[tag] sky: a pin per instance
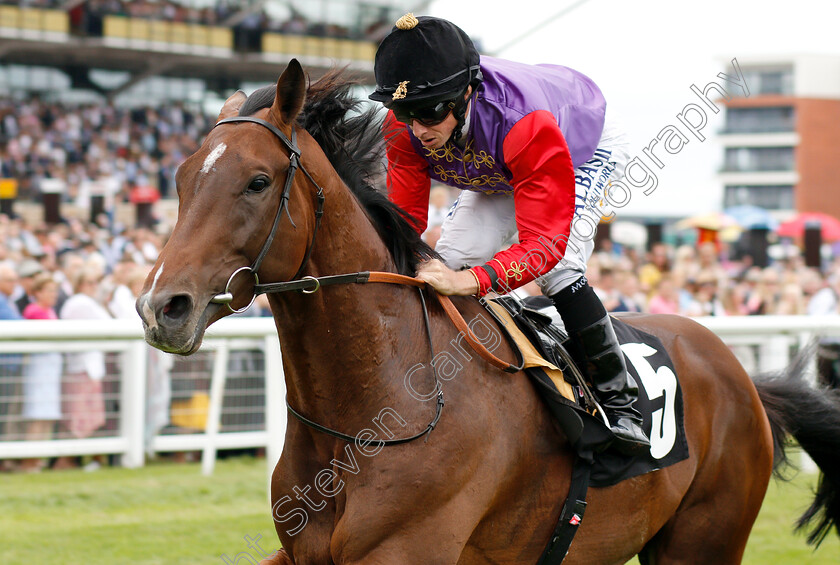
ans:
(645, 56)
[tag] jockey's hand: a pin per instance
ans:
(445, 280)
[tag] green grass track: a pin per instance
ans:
(167, 514)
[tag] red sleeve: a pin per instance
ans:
(538, 158)
(408, 173)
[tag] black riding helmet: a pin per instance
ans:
(424, 62)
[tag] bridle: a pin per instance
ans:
(226, 297)
(309, 284)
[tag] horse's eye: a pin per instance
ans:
(258, 184)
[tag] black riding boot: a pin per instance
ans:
(588, 324)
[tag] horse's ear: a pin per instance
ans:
(232, 105)
(291, 92)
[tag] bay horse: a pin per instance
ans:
(485, 478)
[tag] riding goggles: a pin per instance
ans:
(427, 115)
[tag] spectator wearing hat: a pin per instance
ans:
(439, 205)
(27, 271)
(705, 299)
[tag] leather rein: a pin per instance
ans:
(309, 285)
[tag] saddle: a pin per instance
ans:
(552, 361)
(553, 370)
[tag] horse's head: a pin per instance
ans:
(231, 194)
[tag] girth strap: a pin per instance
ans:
(571, 516)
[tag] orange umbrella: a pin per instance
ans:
(714, 227)
(715, 221)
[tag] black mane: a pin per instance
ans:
(352, 140)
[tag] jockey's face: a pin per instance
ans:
(435, 136)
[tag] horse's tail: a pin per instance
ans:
(812, 417)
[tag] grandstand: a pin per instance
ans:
(115, 48)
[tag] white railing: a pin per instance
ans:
(772, 339)
(763, 341)
(126, 338)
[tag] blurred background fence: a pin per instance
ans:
(229, 395)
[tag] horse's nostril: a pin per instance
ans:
(177, 307)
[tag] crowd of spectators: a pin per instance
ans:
(161, 10)
(69, 271)
(703, 281)
(248, 21)
(181, 12)
(95, 149)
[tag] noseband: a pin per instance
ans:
(226, 297)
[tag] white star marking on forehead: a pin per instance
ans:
(213, 157)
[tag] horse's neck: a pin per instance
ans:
(345, 346)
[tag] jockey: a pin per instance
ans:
(531, 150)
